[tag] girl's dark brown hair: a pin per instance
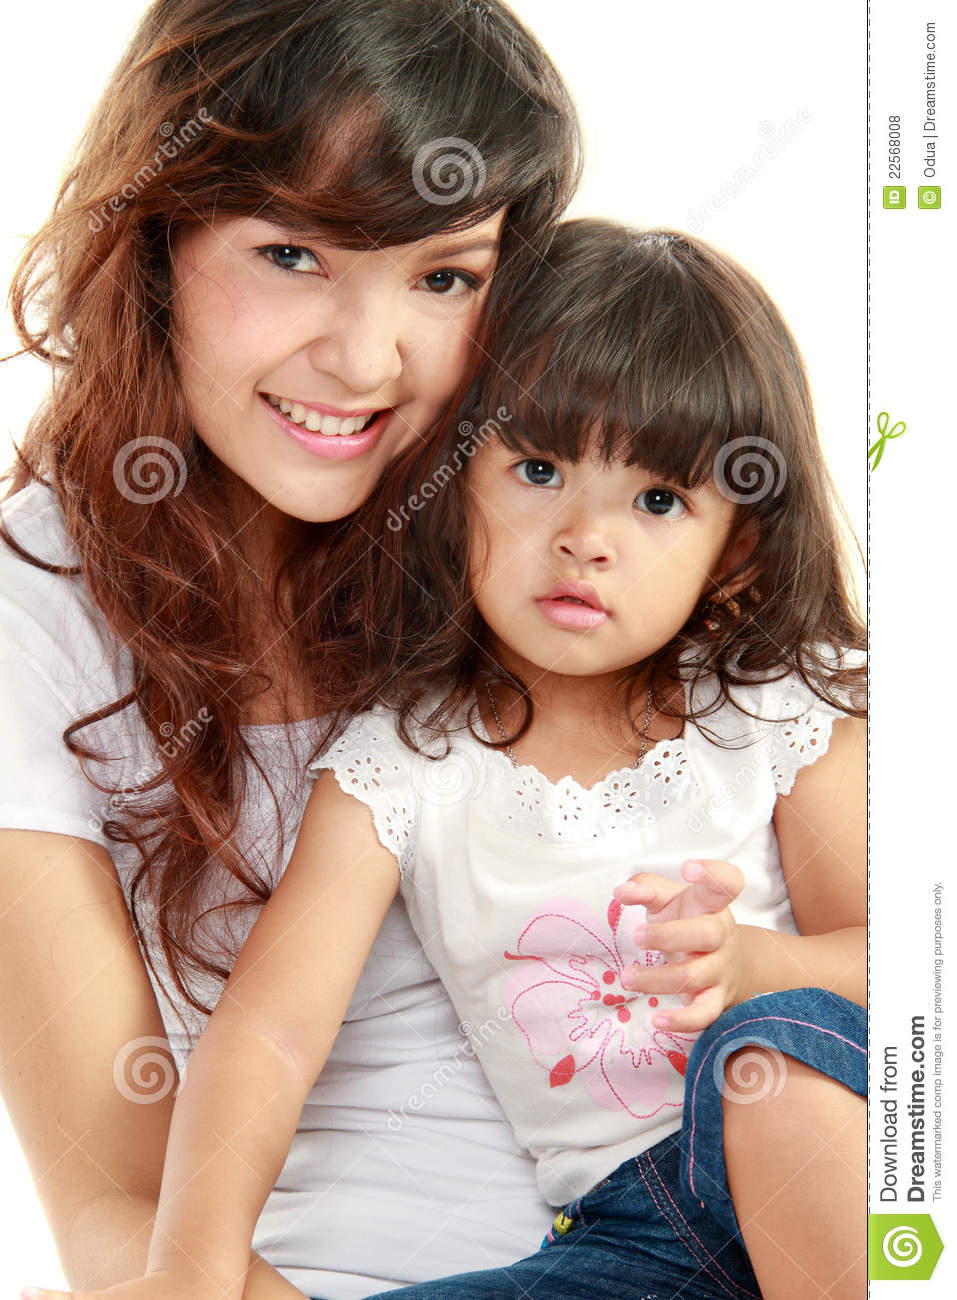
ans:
(673, 358)
(324, 116)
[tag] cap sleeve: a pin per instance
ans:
(370, 762)
(799, 727)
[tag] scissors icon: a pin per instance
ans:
(883, 420)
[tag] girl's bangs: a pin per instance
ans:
(670, 416)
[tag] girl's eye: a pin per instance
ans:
(538, 473)
(290, 257)
(450, 284)
(660, 502)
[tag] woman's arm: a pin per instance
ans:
(76, 994)
(266, 1042)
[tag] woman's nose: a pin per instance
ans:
(359, 346)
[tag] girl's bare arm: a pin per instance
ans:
(77, 1002)
(266, 1042)
(822, 835)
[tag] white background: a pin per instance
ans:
(676, 101)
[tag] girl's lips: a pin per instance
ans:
(566, 613)
(336, 446)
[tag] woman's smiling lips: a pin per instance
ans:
(574, 605)
(333, 433)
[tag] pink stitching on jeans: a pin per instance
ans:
(737, 1289)
(755, 1020)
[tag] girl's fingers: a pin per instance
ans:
(671, 977)
(655, 892)
(702, 1011)
(693, 934)
(713, 884)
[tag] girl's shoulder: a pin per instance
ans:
(373, 761)
(373, 751)
(785, 718)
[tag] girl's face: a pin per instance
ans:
(306, 368)
(587, 568)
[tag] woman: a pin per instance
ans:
(269, 267)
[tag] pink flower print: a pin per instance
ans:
(567, 1000)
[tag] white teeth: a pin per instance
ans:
(329, 425)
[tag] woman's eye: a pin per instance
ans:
(538, 473)
(450, 284)
(290, 257)
(660, 502)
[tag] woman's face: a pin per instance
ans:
(307, 368)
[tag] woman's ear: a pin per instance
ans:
(741, 546)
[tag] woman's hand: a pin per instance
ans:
(161, 1285)
(692, 926)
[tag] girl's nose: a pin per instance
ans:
(359, 347)
(585, 544)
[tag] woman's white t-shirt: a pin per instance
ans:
(402, 1167)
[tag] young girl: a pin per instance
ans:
(265, 279)
(620, 653)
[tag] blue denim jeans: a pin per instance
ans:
(663, 1224)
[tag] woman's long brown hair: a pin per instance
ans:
(676, 359)
(311, 113)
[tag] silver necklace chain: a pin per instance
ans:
(508, 748)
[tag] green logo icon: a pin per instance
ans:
(902, 1246)
(928, 196)
(886, 432)
(895, 196)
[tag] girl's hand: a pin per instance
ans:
(161, 1285)
(693, 927)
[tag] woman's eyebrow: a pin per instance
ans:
(458, 250)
